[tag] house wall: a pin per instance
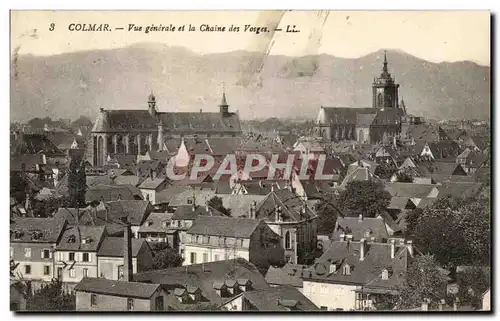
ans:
(78, 266)
(108, 266)
(214, 253)
(332, 296)
(115, 303)
(487, 301)
(304, 236)
(37, 263)
(149, 194)
(264, 252)
(235, 305)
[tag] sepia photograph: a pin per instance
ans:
(250, 161)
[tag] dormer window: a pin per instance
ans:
(385, 274)
(149, 223)
(17, 234)
(164, 224)
(333, 268)
(347, 269)
(87, 240)
(71, 239)
(190, 201)
(36, 235)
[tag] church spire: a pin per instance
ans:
(224, 107)
(385, 62)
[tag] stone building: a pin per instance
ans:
(135, 132)
(365, 125)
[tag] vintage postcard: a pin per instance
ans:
(250, 161)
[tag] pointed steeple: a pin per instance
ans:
(224, 107)
(385, 61)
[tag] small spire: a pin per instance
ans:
(151, 96)
(223, 101)
(385, 61)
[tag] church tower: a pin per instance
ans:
(385, 90)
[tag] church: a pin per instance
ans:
(365, 125)
(134, 132)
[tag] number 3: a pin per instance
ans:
(52, 25)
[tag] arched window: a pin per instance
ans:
(288, 240)
(347, 269)
(361, 136)
(380, 99)
(389, 101)
(385, 274)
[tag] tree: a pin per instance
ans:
(77, 184)
(165, 257)
(364, 197)
(404, 177)
(456, 231)
(385, 171)
(51, 297)
(327, 211)
(216, 203)
(18, 186)
(424, 280)
(472, 283)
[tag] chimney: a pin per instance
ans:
(349, 238)
(362, 249)
(151, 173)
(425, 305)
(455, 304)
(393, 249)
(277, 214)
(342, 237)
(254, 208)
(251, 215)
(441, 304)
(127, 255)
(360, 218)
(409, 246)
(207, 208)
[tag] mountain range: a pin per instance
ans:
(257, 86)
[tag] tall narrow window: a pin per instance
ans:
(93, 300)
(130, 304)
(72, 273)
(193, 258)
(46, 270)
(380, 100)
(288, 240)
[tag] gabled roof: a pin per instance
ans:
(359, 174)
(409, 190)
(459, 190)
(290, 274)
(152, 183)
(204, 275)
(155, 223)
(444, 149)
(240, 204)
(114, 247)
(293, 208)
(35, 144)
(224, 226)
(345, 115)
(108, 193)
(137, 211)
(117, 288)
(366, 228)
(282, 298)
(36, 230)
(181, 197)
(72, 239)
(362, 272)
(187, 212)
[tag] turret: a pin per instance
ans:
(224, 107)
(152, 104)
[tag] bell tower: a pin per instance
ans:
(385, 90)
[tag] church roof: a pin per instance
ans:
(142, 121)
(345, 115)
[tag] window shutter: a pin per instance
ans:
(42, 254)
(90, 257)
(50, 254)
(78, 256)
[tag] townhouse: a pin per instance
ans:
(213, 238)
(76, 253)
(32, 246)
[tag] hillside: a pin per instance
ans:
(74, 84)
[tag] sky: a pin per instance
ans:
(435, 36)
